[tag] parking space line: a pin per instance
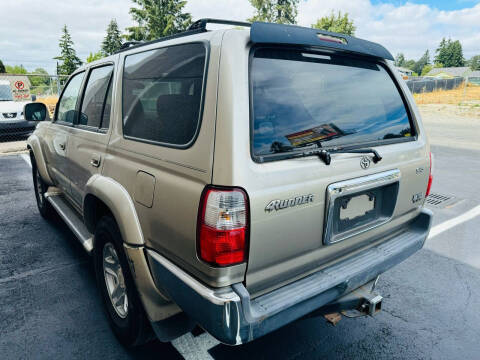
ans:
(191, 347)
(446, 225)
(26, 158)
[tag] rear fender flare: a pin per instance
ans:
(118, 200)
(35, 147)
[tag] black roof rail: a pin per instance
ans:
(197, 27)
(128, 44)
(202, 23)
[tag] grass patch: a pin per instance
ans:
(457, 96)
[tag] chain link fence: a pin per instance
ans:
(15, 91)
(426, 84)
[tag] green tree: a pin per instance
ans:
(409, 64)
(336, 23)
(399, 60)
(158, 18)
(275, 11)
(15, 69)
(68, 55)
(420, 64)
(40, 84)
(94, 56)
(2, 68)
(113, 40)
(426, 69)
(474, 63)
(449, 53)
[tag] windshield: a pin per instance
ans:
(309, 100)
(5, 93)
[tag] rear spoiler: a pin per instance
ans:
(268, 33)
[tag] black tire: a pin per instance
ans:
(40, 188)
(133, 328)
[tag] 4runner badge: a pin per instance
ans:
(283, 204)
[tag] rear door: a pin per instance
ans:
(58, 133)
(89, 137)
(305, 212)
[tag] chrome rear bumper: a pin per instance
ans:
(233, 317)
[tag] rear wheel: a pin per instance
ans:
(123, 306)
(40, 188)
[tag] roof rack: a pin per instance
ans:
(202, 23)
(197, 27)
(128, 44)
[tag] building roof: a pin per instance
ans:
(404, 70)
(453, 71)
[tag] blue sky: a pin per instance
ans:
(438, 4)
(408, 27)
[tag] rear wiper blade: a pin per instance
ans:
(325, 155)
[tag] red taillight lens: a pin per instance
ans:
(223, 226)
(430, 176)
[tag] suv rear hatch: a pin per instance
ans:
(304, 212)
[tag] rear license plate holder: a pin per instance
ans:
(358, 205)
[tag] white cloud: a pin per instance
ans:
(29, 30)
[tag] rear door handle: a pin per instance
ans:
(95, 162)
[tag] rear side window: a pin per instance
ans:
(309, 100)
(94, 100)
(162, 92)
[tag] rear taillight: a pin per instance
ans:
(222, 230)
(430, 176)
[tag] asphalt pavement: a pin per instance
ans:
(50, 307)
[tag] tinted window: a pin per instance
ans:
(302, 100)
(68, 102)
(162, 92)
(108, 107)
(95, 96)
(5, 92)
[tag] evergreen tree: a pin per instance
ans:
(113, 40)
(474, 63)
(339, 24)
(449, 53)
(2, 68)
(158, 18)
(275, 11)
(399, 60)
(420, 64)
(68, 55)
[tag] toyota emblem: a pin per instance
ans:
(364, 162)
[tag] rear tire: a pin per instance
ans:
(44, 207)
(120, 297)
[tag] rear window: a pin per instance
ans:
(162, 92)
(305, 100)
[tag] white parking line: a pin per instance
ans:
(192, 348)
(446, 225)
(26, 158)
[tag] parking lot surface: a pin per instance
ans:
(50, 307)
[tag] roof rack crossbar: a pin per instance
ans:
(128, 44)
(202, 23)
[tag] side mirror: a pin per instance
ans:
(36, 112)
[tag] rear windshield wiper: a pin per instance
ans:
(325, 155)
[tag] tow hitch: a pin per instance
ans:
(360, 302)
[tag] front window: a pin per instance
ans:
(68, 102)
(5, 93)
(303, 100)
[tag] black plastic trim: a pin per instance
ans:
(267, 33)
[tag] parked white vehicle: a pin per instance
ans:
(12, 121)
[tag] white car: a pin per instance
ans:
(12, 121)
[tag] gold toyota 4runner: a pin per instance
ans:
(237, 179)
